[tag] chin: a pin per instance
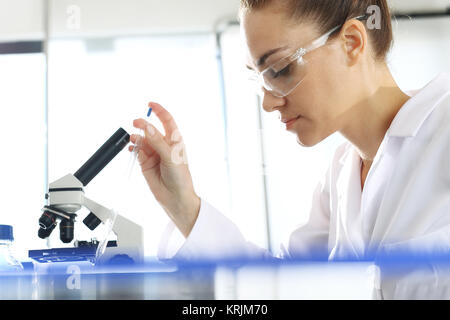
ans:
(305, 144)
(307, 141)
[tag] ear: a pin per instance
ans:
(354, 40)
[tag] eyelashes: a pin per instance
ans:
(283, 72)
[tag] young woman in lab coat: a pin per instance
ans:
(322, 68)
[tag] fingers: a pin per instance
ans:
(168, 122)
(140, 143)
(140, 124)
(154, 141)
(148, 163)
(146, 160)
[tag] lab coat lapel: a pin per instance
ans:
(400, 215)
(349, 243)
(402, 132)
(378, 201)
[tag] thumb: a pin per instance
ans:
(156, 140)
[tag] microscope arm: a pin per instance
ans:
(129, 234)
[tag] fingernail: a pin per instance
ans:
(150, 130)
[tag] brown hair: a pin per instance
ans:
(331, 13)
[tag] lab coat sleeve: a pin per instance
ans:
(310, 241)
(213, 237)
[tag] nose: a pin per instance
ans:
(270, 102)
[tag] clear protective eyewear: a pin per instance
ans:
(285, 75)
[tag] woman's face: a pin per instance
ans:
(322, 101)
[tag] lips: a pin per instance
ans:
(290, 121)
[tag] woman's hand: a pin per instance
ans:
(164, 165)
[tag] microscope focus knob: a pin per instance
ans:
(92, 221)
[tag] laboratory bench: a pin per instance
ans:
(155, 280)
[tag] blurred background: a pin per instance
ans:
(73, 72)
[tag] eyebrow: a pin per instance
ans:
(261, 61)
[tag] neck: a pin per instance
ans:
(372, 116)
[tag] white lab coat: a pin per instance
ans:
(405, 204)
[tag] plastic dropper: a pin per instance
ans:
(138, 145)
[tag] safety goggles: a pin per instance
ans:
(285, 75)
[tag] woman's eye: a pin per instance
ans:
(282, 72)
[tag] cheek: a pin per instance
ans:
(318, 100)
(328, 89)
(313, 97)
(321, 97)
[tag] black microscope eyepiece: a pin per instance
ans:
(108, 151)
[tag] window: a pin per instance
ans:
(97, 86)
(420, 52)
(22, 127)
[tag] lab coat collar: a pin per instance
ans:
(413, 114)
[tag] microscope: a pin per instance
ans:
(66, 197)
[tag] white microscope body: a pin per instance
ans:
(66, 196)
(70, 198)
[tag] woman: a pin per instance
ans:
(322, 66)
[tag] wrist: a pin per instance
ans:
(185, 216)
